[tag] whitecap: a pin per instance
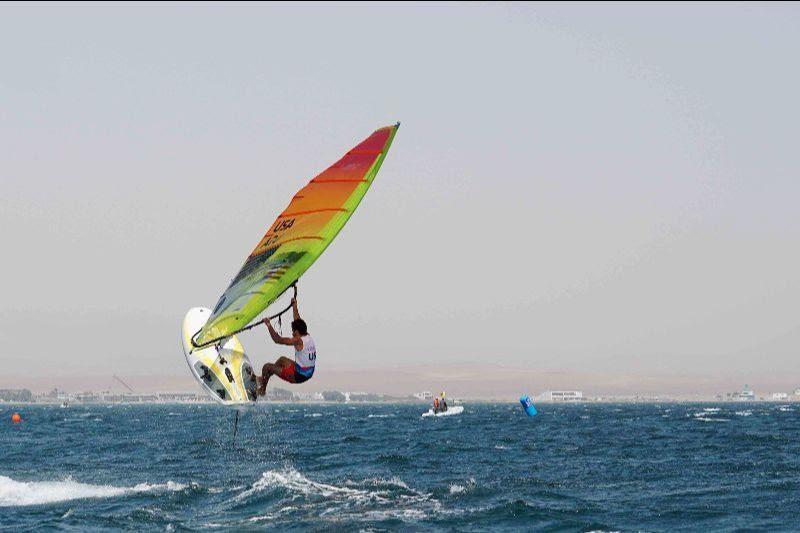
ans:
(704, 413)
(381, 482)
(457, 489)
(261, 518)
(13, 492)
(412, 514)
(297, 483)
(346, 500)
(707, 419)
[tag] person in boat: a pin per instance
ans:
(436, 405)
(305, 354)
(443, 403)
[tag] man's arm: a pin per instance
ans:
(277, 339)
(295, 310)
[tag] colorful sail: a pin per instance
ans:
(298, 236)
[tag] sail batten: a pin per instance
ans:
(298, 236)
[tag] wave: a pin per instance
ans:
(370, 499)
(20, 493)
(455, 488)
(382, 483)
(706, 415)
(295, 483)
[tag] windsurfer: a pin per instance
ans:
(305, 354)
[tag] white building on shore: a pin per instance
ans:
(745, 395)
(561, 396)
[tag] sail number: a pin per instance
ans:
(283, 225)
(280, 227)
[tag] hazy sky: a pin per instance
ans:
(574, 188)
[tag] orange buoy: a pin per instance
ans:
(15, 418)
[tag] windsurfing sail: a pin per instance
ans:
(298, 237)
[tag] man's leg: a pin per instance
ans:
(268, 370)
(284, 361)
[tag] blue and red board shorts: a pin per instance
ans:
(296, 373)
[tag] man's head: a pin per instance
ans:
(299, 327)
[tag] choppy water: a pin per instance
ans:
(383, 467)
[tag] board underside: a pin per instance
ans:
(223, 370)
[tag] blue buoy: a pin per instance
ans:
(527, 405)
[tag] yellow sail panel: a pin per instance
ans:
(298, 236)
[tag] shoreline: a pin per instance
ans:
(419, 403)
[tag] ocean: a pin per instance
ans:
(382, 467)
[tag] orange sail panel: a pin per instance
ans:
(298, 236)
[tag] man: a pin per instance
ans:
(305, 354)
